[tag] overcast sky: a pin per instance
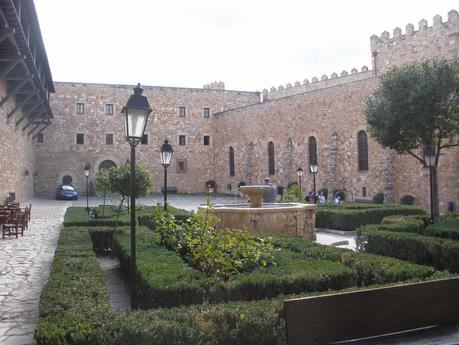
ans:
(248, 44)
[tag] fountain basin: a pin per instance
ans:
(283, 219)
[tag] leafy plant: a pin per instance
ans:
(218, 253)
(292, 193)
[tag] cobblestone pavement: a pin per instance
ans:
(117, 289)
(24, 270)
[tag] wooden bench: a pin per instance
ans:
(371, 312)
(169, 189)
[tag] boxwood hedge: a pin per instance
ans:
(166, 280)
(350, 217)
(437, 252)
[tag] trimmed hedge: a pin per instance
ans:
(448, 227)
(166, 280)
(439, 253)
(370, 269)
(78, 216)
(349, 217)
(75, 292)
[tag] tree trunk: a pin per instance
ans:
(436, 201)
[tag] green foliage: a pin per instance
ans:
(378, 198)
(119, 180)
(448, 227)
(350, 217)
(218, 253)
(416, 105)
(78, 216)
(292, 193)
(419, 220)
(165, 280)
(103, 180)
(407, 199)
(439, 253)
(74, 293)
(369, 269)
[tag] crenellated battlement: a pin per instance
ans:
(316, 84)
(426, 42)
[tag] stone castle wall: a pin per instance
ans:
(441, 40)
(334, 114)
(59, 155)
(330, 109)
(17, 153)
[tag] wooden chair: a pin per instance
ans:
(15, 224)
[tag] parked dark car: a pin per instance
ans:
(66, 192)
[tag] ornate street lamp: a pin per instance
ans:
(86, 174)
(166, 157)
(136, 113)
(429, 159)
(314, 167)
(299, 172)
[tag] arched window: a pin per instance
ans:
(107, 164)
(67, 180)
(312, 145)
(362, 145)
(271, 166)
(231, 161)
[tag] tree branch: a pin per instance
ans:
(416, 156)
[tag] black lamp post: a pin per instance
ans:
(314, 167)
(136, 113)
(166, 157)
(429, 159)
(86, 174)
(299, 172)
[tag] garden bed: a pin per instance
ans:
(74, 305)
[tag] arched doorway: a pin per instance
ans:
(107, 164)
(67, 180)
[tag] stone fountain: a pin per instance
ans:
(285, 219)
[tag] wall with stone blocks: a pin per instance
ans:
(17, 154)
(59, 155)
(441, 40)
(334, 113)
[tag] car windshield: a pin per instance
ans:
(67, 188)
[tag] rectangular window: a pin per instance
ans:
(206, 140)
(181, 165)
(108, 139)
(80, 139)
(182, 140)
(181, 111)
(80, 108)
(205, 113)
(108, 109)
(144, 139)
(40, 138)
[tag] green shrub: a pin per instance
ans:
(349, 217)
(369, 269)
(74, 293)
(219, 253)
(292, 193)
(447, 227)
(439, 253)
(407, 199)
(422, 220)
(166, 280)
(378, 198)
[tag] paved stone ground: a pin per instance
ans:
(117, 289)
(24, 269)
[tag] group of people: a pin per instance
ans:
(270, 195)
